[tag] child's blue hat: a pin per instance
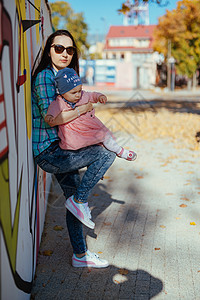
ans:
(67, 79)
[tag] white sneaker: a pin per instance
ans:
(90, 260)
(81, 211)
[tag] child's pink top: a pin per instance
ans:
(83, 131)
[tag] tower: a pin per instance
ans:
(138, 13)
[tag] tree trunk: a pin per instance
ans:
(189, 84)
(194, 81)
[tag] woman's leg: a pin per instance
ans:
(69, 183)
(96, 158)
(60, 162)
(100, 161)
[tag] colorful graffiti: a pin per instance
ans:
(24, 27)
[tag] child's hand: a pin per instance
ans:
(102, 99)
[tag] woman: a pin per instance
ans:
(60, 51)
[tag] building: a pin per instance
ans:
(123, 42)
(131, 47)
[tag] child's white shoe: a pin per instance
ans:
(127, 154)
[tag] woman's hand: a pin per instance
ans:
(67, 116)
(88, 106)
(102, 99)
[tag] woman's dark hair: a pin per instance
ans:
(46, 59)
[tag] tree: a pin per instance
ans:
(63, 16)
(181, 27)
(126, 6)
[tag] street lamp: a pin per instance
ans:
(171, 62)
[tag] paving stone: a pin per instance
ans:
(140, 228)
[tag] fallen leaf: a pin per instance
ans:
(107, 223)
(177, 218)
(163, 165)
(156, 248)
(116, 281)
(123, 271)
(58, 228)
(106, 177)
(190, 172)
(192, 223)
(100, 252)
(47, 252)
(162, 226)
(186, 161)
(89, 270)
(95, 195)
(183, 205)
(185, 199)
(139, 177)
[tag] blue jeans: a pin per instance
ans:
(65, 165)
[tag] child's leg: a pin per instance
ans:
(112, 145)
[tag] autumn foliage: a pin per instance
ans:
(181, 27)
(64, 17)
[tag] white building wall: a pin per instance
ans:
(141, 69)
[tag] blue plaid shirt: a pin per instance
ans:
(43, 93)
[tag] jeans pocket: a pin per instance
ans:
(48, 167)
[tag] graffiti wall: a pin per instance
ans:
(24, 27)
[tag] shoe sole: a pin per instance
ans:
(90, 266)
(80, 219)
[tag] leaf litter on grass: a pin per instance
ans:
(179, 128)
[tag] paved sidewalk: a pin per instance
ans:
(144, 213)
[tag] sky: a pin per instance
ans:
(100, 15)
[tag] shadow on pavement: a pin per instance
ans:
(181, 106)
(109, 283)
(57, 279)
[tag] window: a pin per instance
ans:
(129, 42)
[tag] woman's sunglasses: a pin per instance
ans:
(60, 49)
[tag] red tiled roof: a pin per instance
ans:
(139, 31)
(131, 31)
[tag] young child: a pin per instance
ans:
(86, 129)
